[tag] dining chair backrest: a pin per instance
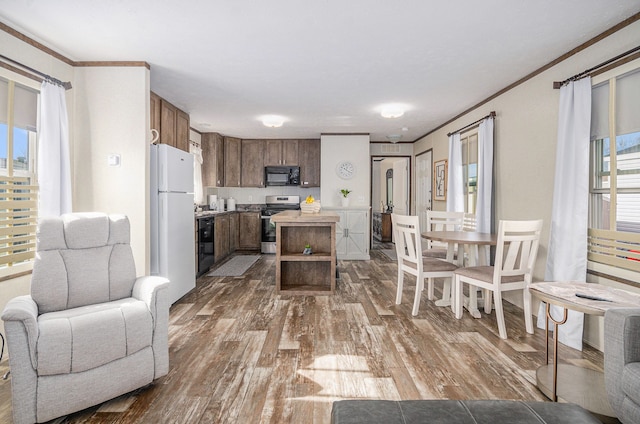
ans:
(406, 231)
(443, 221)
(517, 249)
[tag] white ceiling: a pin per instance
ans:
(325, 65)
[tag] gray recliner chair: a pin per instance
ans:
(90, 330)
(622, 362)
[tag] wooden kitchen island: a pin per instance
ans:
(297, 273)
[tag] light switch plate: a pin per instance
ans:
(113, 159)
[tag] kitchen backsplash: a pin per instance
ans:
(248, 195)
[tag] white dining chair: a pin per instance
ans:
(441, 221)
(515, 258)
(406, 230)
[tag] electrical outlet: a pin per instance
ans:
(250, 199)
(360, 199)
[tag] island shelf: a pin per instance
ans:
(297, 273)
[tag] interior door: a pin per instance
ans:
(401, 187)
(424, 175)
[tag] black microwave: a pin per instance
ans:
(282, 175)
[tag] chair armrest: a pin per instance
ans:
(621, 346)
(23, 309)
(154, 291)
(147, 288)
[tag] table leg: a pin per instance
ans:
(446, 288)
(556, 323)
(446, 294)
(472, 305)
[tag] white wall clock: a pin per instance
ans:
(346, 170)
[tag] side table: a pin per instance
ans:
(575, 384)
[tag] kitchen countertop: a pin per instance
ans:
(298, 216)
(207, 214)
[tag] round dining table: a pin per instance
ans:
(480, 242)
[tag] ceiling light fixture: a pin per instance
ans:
(272, 121)
(394, 138)
(392, 111)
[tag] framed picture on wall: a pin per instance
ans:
(440, 180)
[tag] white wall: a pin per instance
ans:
(525, 142)
(112, 117)
(335, 149)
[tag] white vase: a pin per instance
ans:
(345, 202)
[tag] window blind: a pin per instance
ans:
(4, 103)
(600, 112)
(628, 103)
(18, 220)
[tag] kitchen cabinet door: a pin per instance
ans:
(250, 230)
(212, 160)
(273, 153)
(252, 163)
(290, 152)
(232, 159)
(233, 232)
(221, 237)
(182, 130)
(219, 173)
(156, 109)
(168, 123)
(309, 155)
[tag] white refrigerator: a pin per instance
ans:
(172, 219)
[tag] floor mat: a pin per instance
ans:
(235, 267)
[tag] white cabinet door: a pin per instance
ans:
(341, 239)
(357, 240)
(352, 234)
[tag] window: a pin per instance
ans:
(614, 204)
(18, 194)
(469, 142)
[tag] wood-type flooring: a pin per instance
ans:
(241, 354)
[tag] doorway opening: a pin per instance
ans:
(390, 192)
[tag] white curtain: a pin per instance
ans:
(54, 167)
(455, 185)
(485, 176)
(198, 195)
(567, 258)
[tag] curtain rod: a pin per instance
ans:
(491, 114)
(65, 85)
(558, 84)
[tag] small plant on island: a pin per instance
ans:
(345, 192)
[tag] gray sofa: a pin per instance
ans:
(457, 412)
(622, 362)
(90, 330)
